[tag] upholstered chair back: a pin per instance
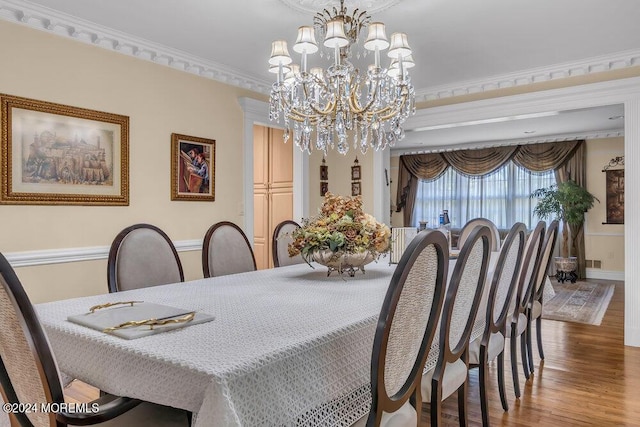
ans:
(226, 250)
(469, 226)
(280, 244)
(142, 255)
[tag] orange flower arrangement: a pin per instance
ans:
(341, 227)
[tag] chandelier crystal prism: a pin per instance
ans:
(322, 109)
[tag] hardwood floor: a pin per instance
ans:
(588, 378)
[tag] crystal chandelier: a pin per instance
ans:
(322, 108)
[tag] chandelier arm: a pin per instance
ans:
(353, 102)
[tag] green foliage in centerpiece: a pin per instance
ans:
(341, 227)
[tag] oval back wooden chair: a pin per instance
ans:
(280, 244)
(406, 328)
(469, 226)
(534, 310)
(29, 374)
(226, 250)
(491, 344)
(517, 323)
(461, 304)
(142, 255)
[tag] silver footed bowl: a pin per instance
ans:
(343, 262)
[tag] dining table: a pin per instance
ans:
(287, 346)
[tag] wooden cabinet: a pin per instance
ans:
(272, 188)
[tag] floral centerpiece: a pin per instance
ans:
(342, 236)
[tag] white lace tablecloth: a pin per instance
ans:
(288, 346)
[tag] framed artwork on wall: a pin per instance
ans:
(192, 168)
(324, 188)
(355, 189)
(54, 154)
(324, 172)
(355, 173)
(615, 196)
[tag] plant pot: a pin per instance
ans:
(343, 262)
(566, 269)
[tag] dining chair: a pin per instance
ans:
(280, 244)
(491, 344)
(29, 374)
(142, 255)
(226, 250)
(534, 308)
(458, 317)
(517, 321)
(406, 327)
(469, 226)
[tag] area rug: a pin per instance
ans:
(581, 302)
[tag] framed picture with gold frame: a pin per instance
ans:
(355, 189)
(54, 154)
(192, 168)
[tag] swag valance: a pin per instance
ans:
(533, 157)
(565, 158)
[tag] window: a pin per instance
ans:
(502, 197)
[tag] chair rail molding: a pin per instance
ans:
(89, 253)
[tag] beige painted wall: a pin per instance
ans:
(158, 101)
(602, 241)
(340, 177)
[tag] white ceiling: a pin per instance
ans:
(459, 46)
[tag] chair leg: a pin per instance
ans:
(503, 395)
(484, 406)
(523, 354)
(539, 336)
(462, 404)
(514, 365)
(436, 403)
(530, 346)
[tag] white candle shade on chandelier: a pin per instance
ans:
(319, 108)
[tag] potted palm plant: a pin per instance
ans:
(567, 202)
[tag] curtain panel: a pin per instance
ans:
(473, 163)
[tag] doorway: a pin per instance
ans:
(272, 189)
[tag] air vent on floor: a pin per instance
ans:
(588, 263)
(597, 264)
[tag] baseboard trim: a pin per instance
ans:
(596, 273)
(66, 255)
(632, 336)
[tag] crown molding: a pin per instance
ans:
(62, 24)
(524, 141)
(65, 255)
(597, 64)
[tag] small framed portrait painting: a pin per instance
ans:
(355, 189)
